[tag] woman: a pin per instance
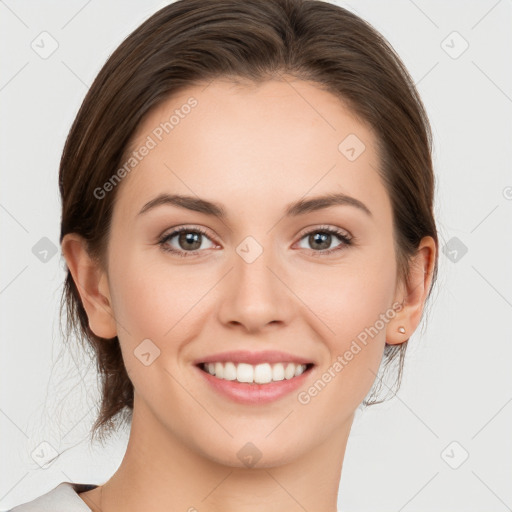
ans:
(248, 228)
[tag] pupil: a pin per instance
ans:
(323, 238)
(190, 238)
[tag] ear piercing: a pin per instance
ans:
(401, 329)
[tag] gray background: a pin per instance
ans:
(455, 401)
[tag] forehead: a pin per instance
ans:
(276, 141)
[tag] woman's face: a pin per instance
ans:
(262, 278)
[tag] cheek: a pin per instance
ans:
(354, 304)
(150, 298)
(352, 296)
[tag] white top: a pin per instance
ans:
(63, 498)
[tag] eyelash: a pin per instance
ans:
(347, 241)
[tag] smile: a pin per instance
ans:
(258, 384)
(254, 374)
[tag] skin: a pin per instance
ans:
(255, 149)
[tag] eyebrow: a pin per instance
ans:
(295, 209)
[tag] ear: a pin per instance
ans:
(92, 284)
(412, 295)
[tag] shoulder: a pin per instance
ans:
(62, 498)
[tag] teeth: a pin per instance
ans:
(244, 373)
(230, 371)
(262, 373)
(289, 371)
(219, 370)
(259, 374)
(278, 372)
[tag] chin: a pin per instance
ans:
(256, 451)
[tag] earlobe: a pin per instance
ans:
(414, 294)
(92, 284)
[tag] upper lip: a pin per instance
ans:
(243, 356)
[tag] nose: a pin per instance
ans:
(255, 294)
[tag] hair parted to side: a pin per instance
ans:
(190, 42)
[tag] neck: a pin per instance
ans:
(160, 473)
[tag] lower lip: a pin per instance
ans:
(246, 393)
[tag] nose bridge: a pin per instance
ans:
(255, 296)
(252, 264)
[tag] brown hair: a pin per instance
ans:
(192, 41)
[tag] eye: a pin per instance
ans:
(189, 241)
(321, 238)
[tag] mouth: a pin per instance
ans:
(256, 384)
(263, 373)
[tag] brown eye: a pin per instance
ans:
(321, 239)
(187, 240)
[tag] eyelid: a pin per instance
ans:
(205, 231)
(343, 235)
(186, 227)
(322, 227)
